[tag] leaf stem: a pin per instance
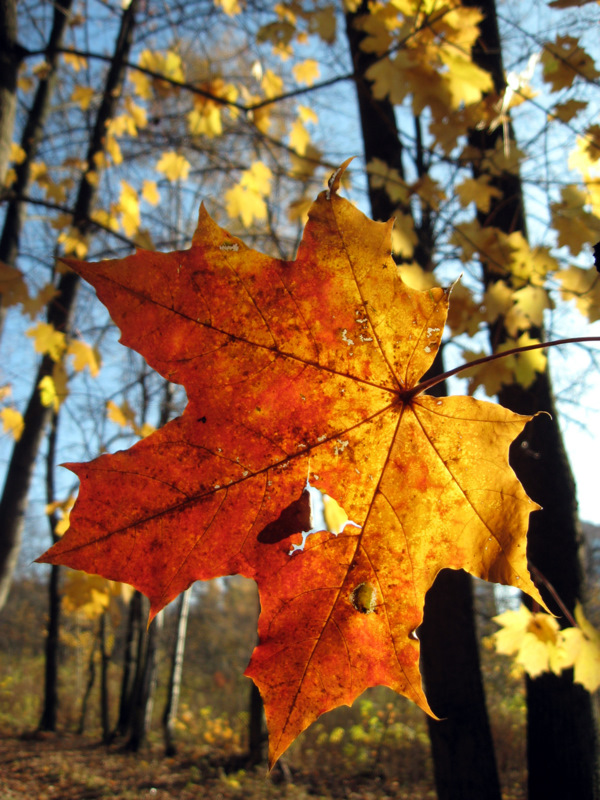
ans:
(431, 382)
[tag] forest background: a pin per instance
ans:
(478, 132)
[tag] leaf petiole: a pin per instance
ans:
(431, 382)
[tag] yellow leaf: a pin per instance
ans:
(492, 375)
(323, 23)
(230, 7)
(574, 224)
(245, 204)
(74, 61)
(34, 305)
(130, 209)
(122, 415)
(272, 84)
(150, 193)
(12, 422)
(73, 243)
(528, 364)
(173, 166)
(83, 95)
(84, 356)
(567, 110)
(404, 237)
(477, 191)
(48, 393)
(532, 301)
(205, 122)
(532, 638)
(564, 60)
(382, 176)
(583, 286)
(299, 138)
(307, 114)
(113, 149)
(13, 288)
(17, 154)
(306, 72)
(257, 178)
(464, 314)
(48, 340)
(465, 80)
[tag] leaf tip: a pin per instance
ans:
(334, 181)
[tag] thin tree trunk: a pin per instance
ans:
(52, 649)
(88, 688)
(462, 746)
(172, 704)
(20, 469)
(104, 698)
(561, 735)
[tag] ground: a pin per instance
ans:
(68, 767)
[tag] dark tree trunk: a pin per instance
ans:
(88, 688)
(104, 698)
(13, 503)
(132, 647)
(52, 648)
(10, 55)
(32, 135)
(172, 704)
(450, 666)
(561, 735)
(141, 712)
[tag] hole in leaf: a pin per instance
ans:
(364, 598)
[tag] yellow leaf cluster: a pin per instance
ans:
(168, 64)
(582, 286)
(478, 191)
(246, 200)
(129, 208)
(84, 356)
(53, 388)
(575, 225)
(564, 59)
(538, 645)
(205, 119)
(382, 176)
(124, 416)
(173, 166)
(12, 422)
(91, 595)
(83, 95)
(46, 339)
(431, 59)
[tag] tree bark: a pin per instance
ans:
(462, 745)
(561, 734)
(145, 686)
(52, 648)
(172, 704)
(10, 55)
(20, 469)
(32, 135)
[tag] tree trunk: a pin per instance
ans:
(561, 735)
(52, 648)
(32, 135)
(104, 698)
(172, 704)
(145, 685)
(10, 55)
(132, 646)
(20, 469)
(450, 664)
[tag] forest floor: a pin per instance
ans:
(69, 767)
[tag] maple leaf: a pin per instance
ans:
(294, 369)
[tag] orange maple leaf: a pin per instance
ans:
(293, 368)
